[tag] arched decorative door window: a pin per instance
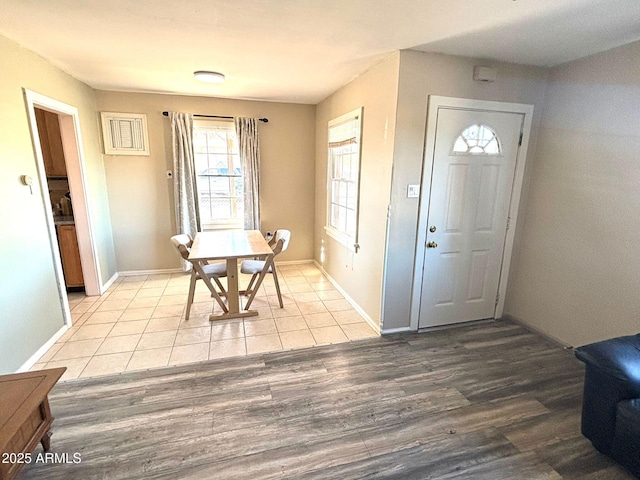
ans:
(477, 140)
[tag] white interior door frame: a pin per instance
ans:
(75, 162)
(434, 104)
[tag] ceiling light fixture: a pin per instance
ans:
(209, 77)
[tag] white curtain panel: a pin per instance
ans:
(249, 146)
(184, 176)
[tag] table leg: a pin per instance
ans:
(232, 282)
(46, 441)
(45, 411)
(233, 295)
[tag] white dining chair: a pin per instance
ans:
(279, 242)
(214, 271)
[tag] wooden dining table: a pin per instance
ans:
(230, 246)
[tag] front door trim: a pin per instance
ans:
(434, 104)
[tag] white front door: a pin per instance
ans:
(472, 177)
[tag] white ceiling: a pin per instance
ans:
(298, 50)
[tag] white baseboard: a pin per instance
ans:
(357, 308)
(108, 283)
(389, 331)
(295, 262)
(133, 273)
(33, 359)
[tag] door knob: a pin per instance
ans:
(432, 244)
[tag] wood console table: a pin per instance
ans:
(25, 416)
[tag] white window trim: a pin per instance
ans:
(209, 226)
(349, 241)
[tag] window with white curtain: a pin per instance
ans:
(343, 178)
(219, 174)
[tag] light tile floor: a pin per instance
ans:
(139, 323)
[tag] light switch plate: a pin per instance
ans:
(413, 191)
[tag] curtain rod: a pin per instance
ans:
(265, 120)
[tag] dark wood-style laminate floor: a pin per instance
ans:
(484, 401)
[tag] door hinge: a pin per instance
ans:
(508, 222)
(520, 141)
(497, 298)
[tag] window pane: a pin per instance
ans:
(337, 165)
(342, 218)
(342, 197)
(205, 206)
(346, 166)
(492, 147)
(335, 191)
(219, 174)
(220, 208)
(201, 184)
(472, 132)
(199, 142)
(343, 170)
(335, 218)
(238, 188)
(217, 142)
(460, 145)
(220, 186)
(486, 134)
(355, 168)
(201, 161)
(352, 197)
(477, 139)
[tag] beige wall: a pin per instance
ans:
(141, 196)
(421, 75)
(360, 274)
(578, 272)
(30, 309)
(574, 268)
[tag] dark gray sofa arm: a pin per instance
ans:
(612, 374)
